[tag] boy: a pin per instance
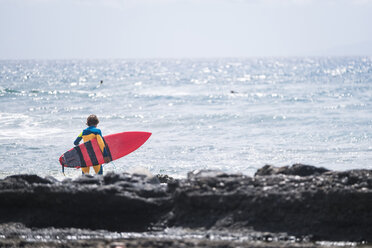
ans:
(92, 132)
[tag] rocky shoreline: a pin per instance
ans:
(292, 206)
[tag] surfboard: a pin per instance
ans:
(117, 145)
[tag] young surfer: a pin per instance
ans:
(92, 132)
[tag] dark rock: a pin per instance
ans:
(299, 200)
(88, 179)
(328, 206)
(25, 178)
(296, 169)
(17, 235)
(165, 178)
(112, 202)
(205, 173)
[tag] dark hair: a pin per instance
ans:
(92, 120)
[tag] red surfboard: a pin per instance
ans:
(117, 145)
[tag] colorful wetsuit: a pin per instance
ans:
(90, 133)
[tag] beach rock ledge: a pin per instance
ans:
(299, 200)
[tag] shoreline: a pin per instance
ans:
(291, 206)
(17, 235)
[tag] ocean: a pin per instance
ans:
(229, 114)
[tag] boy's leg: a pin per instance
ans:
(85, 170)
(98, 169)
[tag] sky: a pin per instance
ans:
(106, 29)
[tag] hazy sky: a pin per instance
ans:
(54, 29)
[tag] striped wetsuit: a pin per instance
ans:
(90, 133)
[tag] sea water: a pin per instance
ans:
(232, 114)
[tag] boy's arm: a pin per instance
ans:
(78, 139)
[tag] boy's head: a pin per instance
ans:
(92, 120)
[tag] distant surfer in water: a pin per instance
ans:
(92, 132)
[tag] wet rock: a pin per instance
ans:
(206, 173)
(29, 179)
(165, 178)
(327, 205)
(114, 202)
(299, 200)
(17, 235)
(296, 169)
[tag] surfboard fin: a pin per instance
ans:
(63, 170)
